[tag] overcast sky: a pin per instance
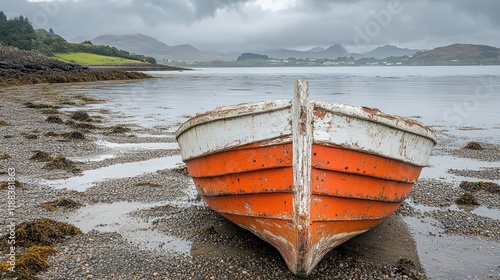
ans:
(247, 25)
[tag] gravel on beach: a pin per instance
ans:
(218, 248)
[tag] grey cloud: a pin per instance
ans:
(241, 25)
(480, 8)
(205, 8)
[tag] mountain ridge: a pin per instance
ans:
(458, 54)
(146, 45)
(386, 51)
(332, 52)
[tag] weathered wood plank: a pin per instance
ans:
(302, 119)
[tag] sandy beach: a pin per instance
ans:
(152, 225)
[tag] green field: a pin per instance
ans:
(91, 59)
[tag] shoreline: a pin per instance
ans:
(139, 67)
(162, 204)
(20, 67)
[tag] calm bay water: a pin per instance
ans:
(444, 96)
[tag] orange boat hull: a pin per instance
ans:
(305, 177)
(350, 193)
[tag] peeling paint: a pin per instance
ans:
(248, 206)
(333, 164)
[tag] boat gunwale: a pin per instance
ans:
(377, 116)
(262, 107)
(234, 111)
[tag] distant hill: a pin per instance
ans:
(137, 44)
(51, 34)
(386, 51)
(458, 54)
(337, 50)
(333, 51)
(252, 56)
(316, 49)
(149, 46)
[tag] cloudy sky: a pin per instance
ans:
(246, 25)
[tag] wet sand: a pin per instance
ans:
(142, 218)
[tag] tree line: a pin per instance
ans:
(17, 32)
(20, 33)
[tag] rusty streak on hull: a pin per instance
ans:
(310, 178)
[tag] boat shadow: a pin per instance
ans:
(224, 243)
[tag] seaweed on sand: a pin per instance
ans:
(80, 116)
(40, 106)
(30, 136)
(61, 162)
(41, 156)
(474, 146)
(38, 238)
(50, 111)
(31, 262)
(152, 184)
(64, 202)
(181, 170)
(51, 134)
(87, 99)
(4, 156)
(41, 232)
(408, 268)
(467, 199)
(54, 119)
(481, 185)
(118, 129)
(75, 135)
(16, 184)
(80, 125)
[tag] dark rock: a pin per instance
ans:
(478, 186)
(467, 199)
(54, 119)
(473, 146)
(80, 116)
(75, 135)
(41, 156)
(119, 129)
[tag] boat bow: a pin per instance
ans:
(304, 176)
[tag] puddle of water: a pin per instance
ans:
(144, 135)
(484, 211)
(117, 171)
(115, 217)
(453, 257)
(120, 147)
(139, 146)
(480, 210)
(93, 158)
(439, 166)
(484, 133)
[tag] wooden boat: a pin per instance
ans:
(303, 176)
